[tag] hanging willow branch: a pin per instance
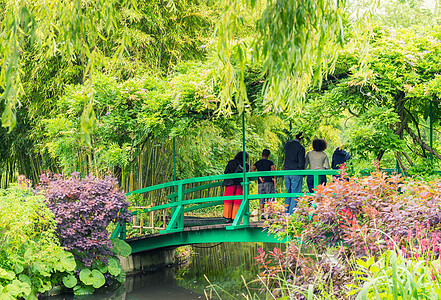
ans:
(71, 29)
(291, 42)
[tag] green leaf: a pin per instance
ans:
(98, 279)
(120, 247)
(8, 275)
(18, 288)
(25, 278)
(121, 277)
(86, 276)
(6, 296)
(67, 260)
(70, 281)
(103, 268)
(114, 267)
(94, 278)
(18, 268)
(83, 290)
(9, 118)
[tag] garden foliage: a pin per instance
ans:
(83, 209)
(31, 257)
(378, 220)
(379, 101)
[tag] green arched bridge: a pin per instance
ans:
(181, 229)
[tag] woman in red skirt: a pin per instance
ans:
(233, 186)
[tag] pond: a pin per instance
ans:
(222, 264)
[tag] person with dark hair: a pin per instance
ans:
(294, 160)
(317, 159)
(266, 183)
(233, 186)
(339, 157)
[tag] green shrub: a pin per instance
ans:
(31, 259)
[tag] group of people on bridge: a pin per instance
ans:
(295, 159)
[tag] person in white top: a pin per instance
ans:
(316, 160)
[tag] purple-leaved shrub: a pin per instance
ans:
(83, 209)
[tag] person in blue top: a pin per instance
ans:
(266, 183)
(294, 160)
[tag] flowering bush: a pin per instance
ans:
(83, 209)
(367, 219)
(364, 213)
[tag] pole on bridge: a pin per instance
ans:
(431, 132)
(174, 161)
(174, 173)
(246, 215)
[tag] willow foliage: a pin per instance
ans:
(292, 39)
(70, 29)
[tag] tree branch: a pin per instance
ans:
(420, 142)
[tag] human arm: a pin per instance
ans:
(301, 158)
(273, 168)
(326, 162)
(307, 161)
(228, 168)
(253, 169)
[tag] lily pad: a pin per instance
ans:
(83, 290)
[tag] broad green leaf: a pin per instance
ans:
(86, 276)
(98, 279)
(121, 277)
(103, 268)
(70, 281)
(8, 275)
(94, 278)
(18, 288)
(83, 290)
(114, 267)
(67, 260)
(120, 247)
(6, 296)
(18, 268)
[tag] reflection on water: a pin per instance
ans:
(222, 264)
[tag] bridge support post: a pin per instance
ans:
(177, 219)
(243, 215)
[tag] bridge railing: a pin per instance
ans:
(179, 205)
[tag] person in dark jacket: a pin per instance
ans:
(294, 160)
(266, 184)
(233, 186)
(339, 157)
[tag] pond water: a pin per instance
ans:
(222, 264)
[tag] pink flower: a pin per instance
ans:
(409, 235)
